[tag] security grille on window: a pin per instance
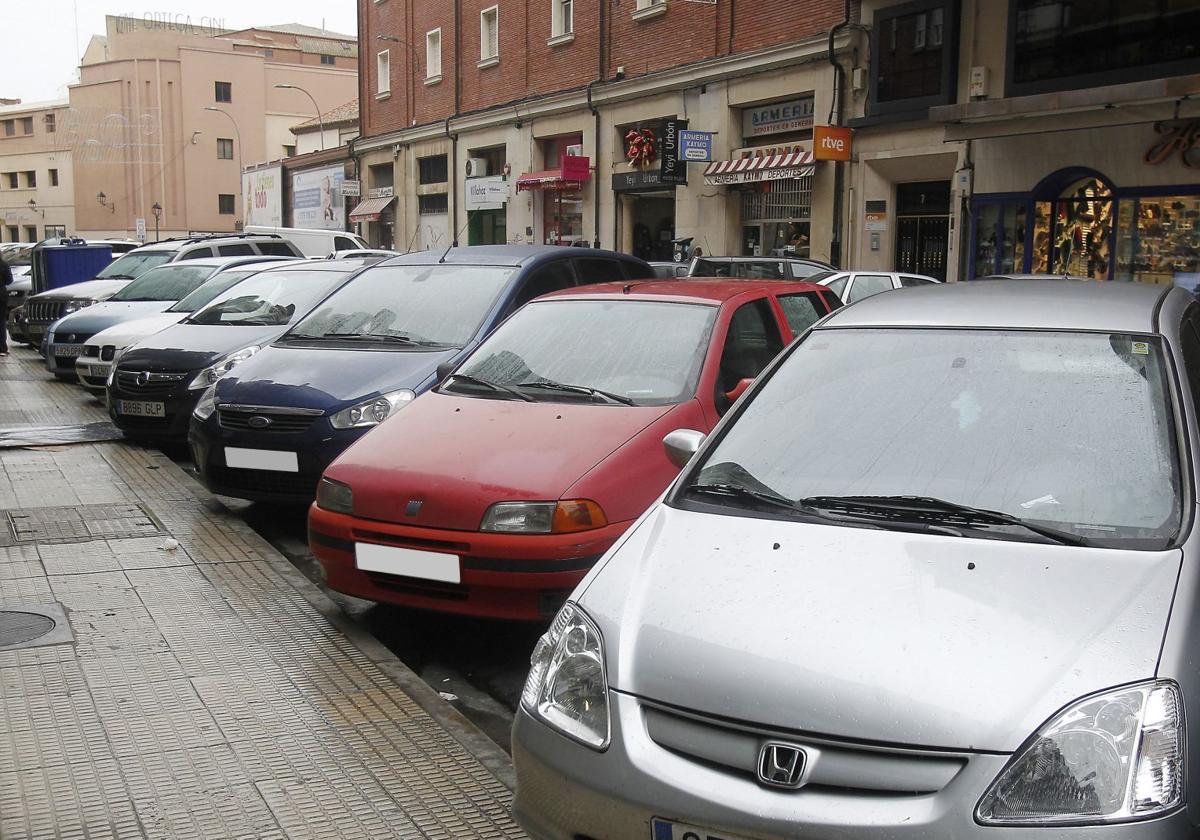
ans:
(433, 205)
(789, 199)
(223, 92)
(489, 33)
(225, 204)
(224, 148)
(433, 169)
(433, 54)
(562, 17)
(383, 72)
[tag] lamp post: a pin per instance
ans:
(238, 135)
(34, 208)
(320, 119)
(103, 201)
(156, 208)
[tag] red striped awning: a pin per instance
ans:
(549, 179)
(744, 170)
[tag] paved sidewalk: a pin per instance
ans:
(200, 686)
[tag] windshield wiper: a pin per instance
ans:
(928, 504)
(117, 277)
(740, 491)
(495, 386)
(391, 338)
(550, 385)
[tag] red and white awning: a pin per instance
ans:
(745, 170)
(369, 210)
(550, 179)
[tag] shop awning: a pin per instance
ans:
(746, 170)
(370, 209)
(550, 179)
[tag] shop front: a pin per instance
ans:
(645, 214)
(560, 189)
(486, 200)
(773, 189)
(375, 214)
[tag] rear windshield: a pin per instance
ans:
(423, 305)
(747, 270)
(165, 283)
(270, 298)
(207, 293)
(1071, 430)
(134, 264)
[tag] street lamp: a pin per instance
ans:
(102, 199)
(156, 208)
(320, 119)
(33, 207)
(238, 135)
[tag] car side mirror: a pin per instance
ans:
(681, 445)
(738, 389)
(444, 370)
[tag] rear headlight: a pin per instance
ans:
(335, 496)
(563, 517)
(1110, 757)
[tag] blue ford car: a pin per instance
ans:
(268, 429)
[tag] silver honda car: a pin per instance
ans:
(936, 575)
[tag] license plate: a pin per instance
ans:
(68, 350)
(136, 408)
(261, 459)
(669, 830)
(407, 562)
(97, 370)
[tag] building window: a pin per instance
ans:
(433, 54)
(14, 233)
(31, 233)
(225, 204)
(10, 128)
(56, 231)
(328, 59)
(383, 72)
(1063, 46)
(54, 177)
(30, 179)
(432, 169)
(50, 123)
(562, 17)
(224, 148)
(223, 92)
(489, 34)
(27, 125)
(434, 204)
(915, 57)
(649, 4)
(289, 151)
(12, 180)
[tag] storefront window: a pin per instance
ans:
(1083, 226)
(776, 217)
(1159, 240)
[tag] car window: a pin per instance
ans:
(752, 341)
(277, 249)
(344, 243)
(866, 285)
(801, 311)
(401, 305)
(134, 264)
(838, 286)
(165, 283)
(653, 351)
(907, 280)
(269, 298)
(1190, 345)
(211, 288)
(760, 270)
(804, 271)
(549, 278)
(597, 270)
(710, 268)
(236, 249)
(664, 271)
(197, 253)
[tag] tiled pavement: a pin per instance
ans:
(206, 688)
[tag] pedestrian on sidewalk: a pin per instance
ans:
(6, 278)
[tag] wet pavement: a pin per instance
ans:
(192, 682)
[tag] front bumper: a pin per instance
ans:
(524, 577)
(62, 355)
(93, 373)
(177, 401)
(566, 791)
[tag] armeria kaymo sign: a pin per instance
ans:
(778, 117)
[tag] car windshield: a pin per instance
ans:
(398, 305)
(646, 351)
(1070, 430)
(134, 264)
(270, 298)
(165, 283)
(208, 292)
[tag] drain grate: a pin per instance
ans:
(81, 523)
(19, 627)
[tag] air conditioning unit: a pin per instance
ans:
(477, 167)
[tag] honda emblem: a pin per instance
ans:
(781, 765)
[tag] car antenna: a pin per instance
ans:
(454, 242)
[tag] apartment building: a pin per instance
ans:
(169, 116)
(36, 190)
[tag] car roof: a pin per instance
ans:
(217, 262)
(1019, 276)
(343, 266)
(1016, 304)
(685, 290)
(506, 255)
(808, 260)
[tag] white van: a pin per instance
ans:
(314, 242)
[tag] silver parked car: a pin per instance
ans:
(856, 285)
(978, 618)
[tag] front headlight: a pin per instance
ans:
(112, 369)
(207, 404)
(75, 304)
(215, 371)
(335, 496)
(563, 517)
(1109, 757)
(566, 687)
(371, 412)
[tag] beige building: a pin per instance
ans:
(170, 115)
(36, 182)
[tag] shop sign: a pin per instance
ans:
(673, 169)
(768, 151)
(316, 198)
(351, 189)
(262, 196)
(696, 145)
(875, 215)
(831, 142)
(380, 192)
(1183, 138)
(755, 175)
(490, 193)
(793, 115)
(632, 181)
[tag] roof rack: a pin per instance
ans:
(203, 237)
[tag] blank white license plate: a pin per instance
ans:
(136, 408)
(261, 459)
(68, 350)
(407, 562)
(669, 830)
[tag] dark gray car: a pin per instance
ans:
(977, 618)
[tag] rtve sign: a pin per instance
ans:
(831, 142)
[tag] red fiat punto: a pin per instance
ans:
(493, 494)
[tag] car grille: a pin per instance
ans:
(107, 352)
(279, 422)
(43, 311)
(299, 486)
(158, 383)
(840, 765)
(91, 351)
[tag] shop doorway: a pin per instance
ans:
(923, 227)
(652, 225)
(487, 227)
